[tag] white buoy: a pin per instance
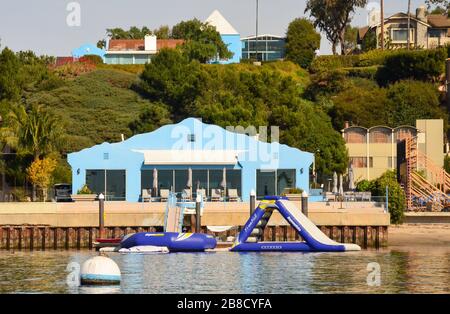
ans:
(100, 270)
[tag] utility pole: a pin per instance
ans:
(409, 23)
(382, 23)
(256, 42)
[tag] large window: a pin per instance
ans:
(265, 183)
(401, 35)
(285, 180)
(112, 183)
(207, 179)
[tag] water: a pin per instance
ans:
(409, 271)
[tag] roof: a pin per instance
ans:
(189, 157)
(139, 44)
(263, 35)
(438, 20)
(222, 25)
(362, 31)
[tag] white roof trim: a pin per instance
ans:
(131, 52)
(222, 25)
(263, 35)
(189, 157)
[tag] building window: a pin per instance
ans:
(165, 179)
(358, 162)
(191, 137)
(274, 182)
(181, 180)
(355, 136)
(380, 136)
(112, 183)
(105, 156)
(400, 35)
(234, 180)
(200, 181)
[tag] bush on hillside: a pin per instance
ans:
(302, 40)
(423, 65)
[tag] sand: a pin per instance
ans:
(419, 235)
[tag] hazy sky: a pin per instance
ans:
(40, 25)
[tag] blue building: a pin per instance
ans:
(88, 49)
(229, 35)
(193, 155)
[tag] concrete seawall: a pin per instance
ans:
(75, 225)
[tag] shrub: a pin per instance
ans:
(333, 62)
(368, 72)
(396, 195)
(84, 190)
(93, 59)
(424, 65)
(301, 42)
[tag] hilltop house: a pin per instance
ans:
(426, 30)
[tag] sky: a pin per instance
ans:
(41, 25)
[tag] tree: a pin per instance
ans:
(163, 32)
(350, 39)
(302, 40)
(332, 17)
(33, 132)
(151, 118)
(133, 33)
(203, 42)
(40, 173)
(9, 75)
(369, 42)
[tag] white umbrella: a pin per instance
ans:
(224, 179)
(351, 179)
(335, 183)
(155, 182)
(341, 188)
(189, 182)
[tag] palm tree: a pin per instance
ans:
(35, 132)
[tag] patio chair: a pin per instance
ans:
(202, 192)
(186, 194)
(146, 195)
(164, 194)
(330, 197)
(366, 196)
(216, 195)
(233, 195)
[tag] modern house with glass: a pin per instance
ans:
(190, 155)
(270, 47)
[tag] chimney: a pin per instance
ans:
(346, 125)
(150, 43)
(420, 13)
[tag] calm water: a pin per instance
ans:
(412, 271)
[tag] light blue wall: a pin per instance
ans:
(88, 49)
(255, 155)
(234, 44)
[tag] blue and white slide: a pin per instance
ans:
(314, 239)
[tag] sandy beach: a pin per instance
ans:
(417, 235)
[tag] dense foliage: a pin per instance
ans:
(396, 195)
(302, 40)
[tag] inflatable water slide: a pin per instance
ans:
(249, 239)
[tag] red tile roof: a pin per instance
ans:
(438, 20)
(139, 44)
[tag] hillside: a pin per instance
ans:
(94, 107)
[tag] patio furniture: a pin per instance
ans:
(216, 195)
(366, 196)
(349, 197)
(330, 197)
(202, 192)
(146, 195)
(186, 195)
(164, 194)
(233, 195)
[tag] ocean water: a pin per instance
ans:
(422, 270)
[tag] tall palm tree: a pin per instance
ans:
(35, 132)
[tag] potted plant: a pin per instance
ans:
(84, 194)
(294, 194)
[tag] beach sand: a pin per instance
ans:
(419, 235)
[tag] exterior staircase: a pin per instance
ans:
(426, 184)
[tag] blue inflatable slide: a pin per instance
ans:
(249, 239)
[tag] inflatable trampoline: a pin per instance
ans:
(174, 241)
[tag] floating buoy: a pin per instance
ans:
(100, 270)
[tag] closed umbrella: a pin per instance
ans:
(155, 182)
(341, 188)
(224, 179)
(351, 178)
(335, 183)
(189, 182)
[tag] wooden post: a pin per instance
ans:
(305, 203)
(31, 238)
(198, 218)
(252, 201)
(8, 238)
(20, 239)
(90, 239)
(43, 235)
(101, 213)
